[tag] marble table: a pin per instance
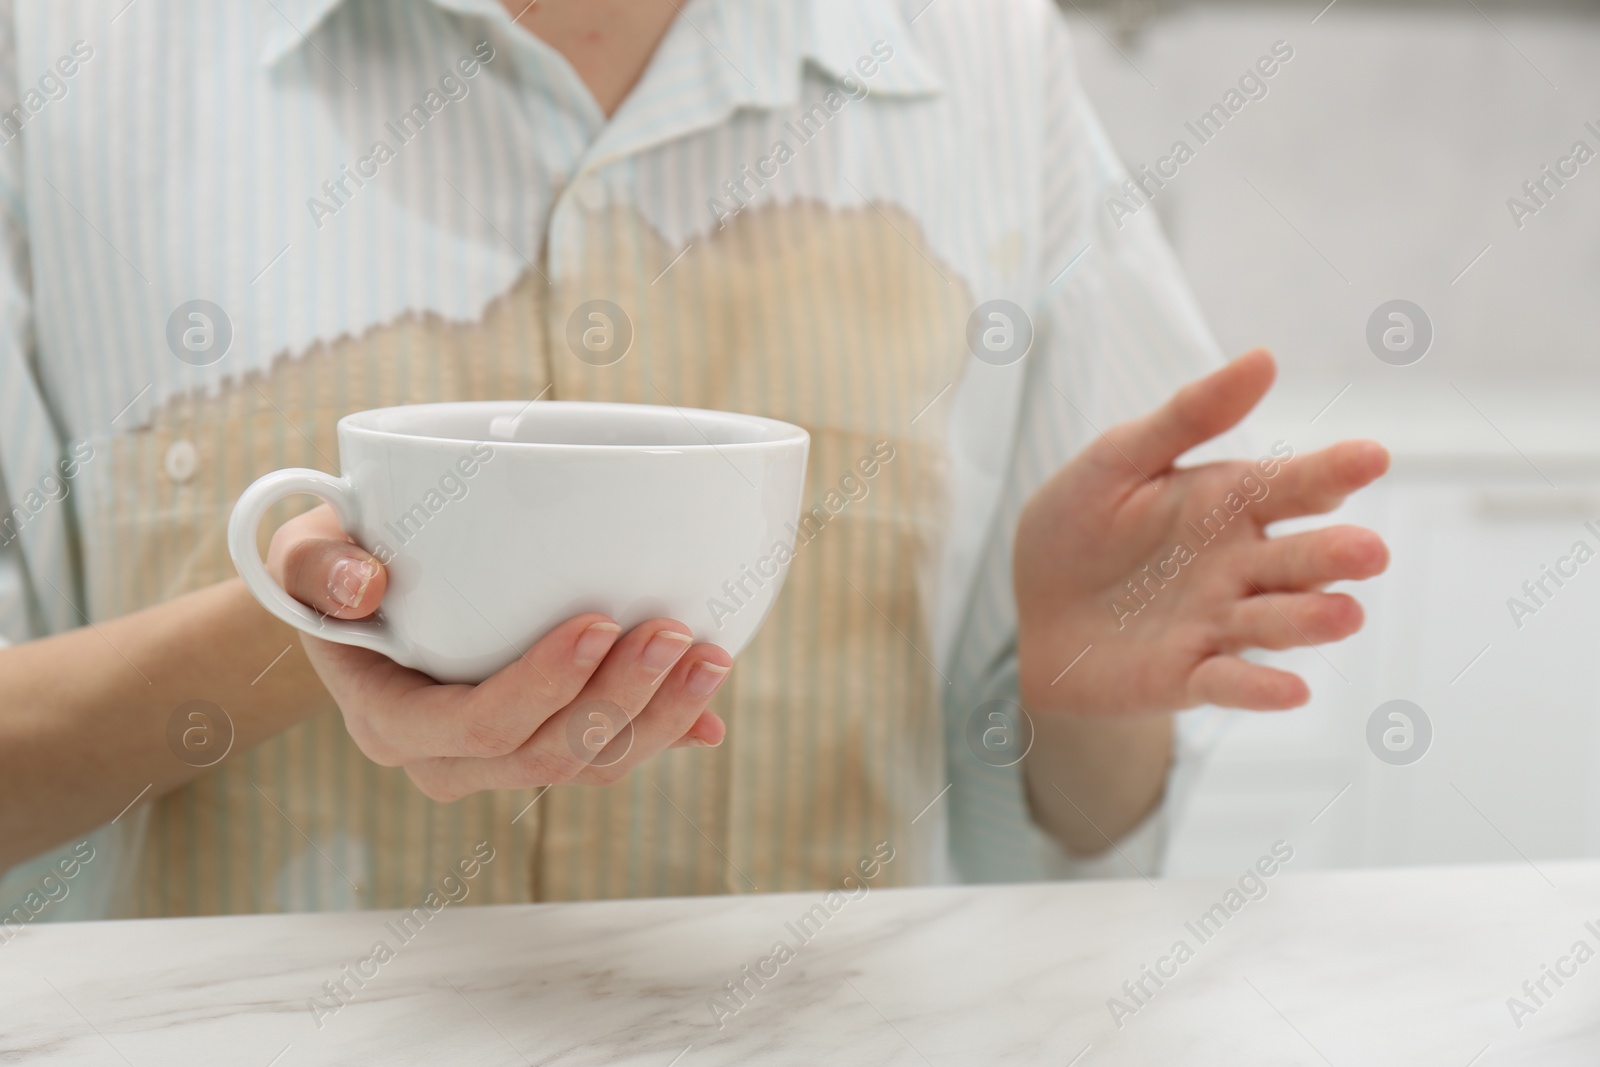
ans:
(1407, 967)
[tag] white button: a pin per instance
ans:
(591, 194)
(181, 461)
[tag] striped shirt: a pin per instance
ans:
(226, 225)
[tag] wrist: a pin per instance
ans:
(1056, 669)
(1092, 779)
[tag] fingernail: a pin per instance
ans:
(348, 580)
(595, 643)
(701, 742)
(664, 649)
(704, 679)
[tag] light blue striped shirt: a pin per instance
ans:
(168, 151)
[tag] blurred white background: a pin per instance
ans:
(1378, 167)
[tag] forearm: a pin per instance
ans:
(84, 715)
(1091, 779)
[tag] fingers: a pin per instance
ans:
(1293, 620)
(587, 739)
(583, 745)
(600, 717)
(1230, 682)
(641, 663)
(322, 568)
(1304, 561)
(335, 578)
(1317, 483)
(546, 678)
(1194, 415)
(399, 716)
(707, 732)
(1276, 621)
(671, 716)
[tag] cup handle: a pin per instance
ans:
(372, 633)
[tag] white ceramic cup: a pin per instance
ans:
(499, 520)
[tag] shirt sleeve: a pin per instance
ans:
(37, 573)
(13, 605)
(1116, 331)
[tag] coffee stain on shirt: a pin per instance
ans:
(839, 321)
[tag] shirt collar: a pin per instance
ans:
(285, 25)
(766, 43)
(724, 56)
(851, 36)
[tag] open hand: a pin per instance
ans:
(1165, 574)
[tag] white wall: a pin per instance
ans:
(1391, 142)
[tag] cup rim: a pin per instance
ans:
(361, 422)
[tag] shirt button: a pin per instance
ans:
(181, 461)
(591, 194)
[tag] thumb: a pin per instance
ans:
(1195, 414)
(336, 578)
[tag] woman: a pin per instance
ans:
(230, 225)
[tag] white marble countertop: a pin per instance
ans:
(1361, 968)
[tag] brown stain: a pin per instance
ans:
(834, 320)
